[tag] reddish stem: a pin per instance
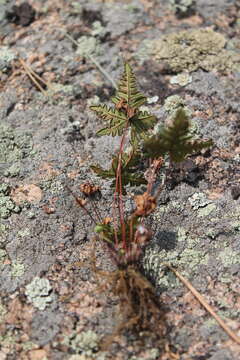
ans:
(118, 190)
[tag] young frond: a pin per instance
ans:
(127, 92)
(174, 140)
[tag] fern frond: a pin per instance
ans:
(117, 120)
(127, 90)
(140, 124)
(174, 140)
(129, 174)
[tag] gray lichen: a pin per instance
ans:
(7, 206)
(88, 45)
(6, 57)
(12, 171)
(3, 312)
(191, 50)
(153, 354)
(59, 88)
(14, 146)
(98, 30)
(38, 292)
(198, 200)
(173, 102)
(181, 79)
(182, 8)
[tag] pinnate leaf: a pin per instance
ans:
(174, 140)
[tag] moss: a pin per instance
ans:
(38, 292)
(191, 50)
(7, 206)
(85, 343)
(17, 269)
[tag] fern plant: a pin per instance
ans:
(124, 235)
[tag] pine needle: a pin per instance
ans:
(33, 75)
(203, 302)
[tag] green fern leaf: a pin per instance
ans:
(140, 124)
(117, 120)
(129, 175)
(174, 140)
(105, 174)
(127, 90)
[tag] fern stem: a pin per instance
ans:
(118, 189)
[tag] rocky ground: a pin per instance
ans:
(184, 53)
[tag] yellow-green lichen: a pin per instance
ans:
(3, 255)
(59, 88)
(190, 50)
(29, 345)
(17, 269)
(3, 312)
(23, 233)
(12, 171)
(85, 343)
(229, 257)
(8, 341)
